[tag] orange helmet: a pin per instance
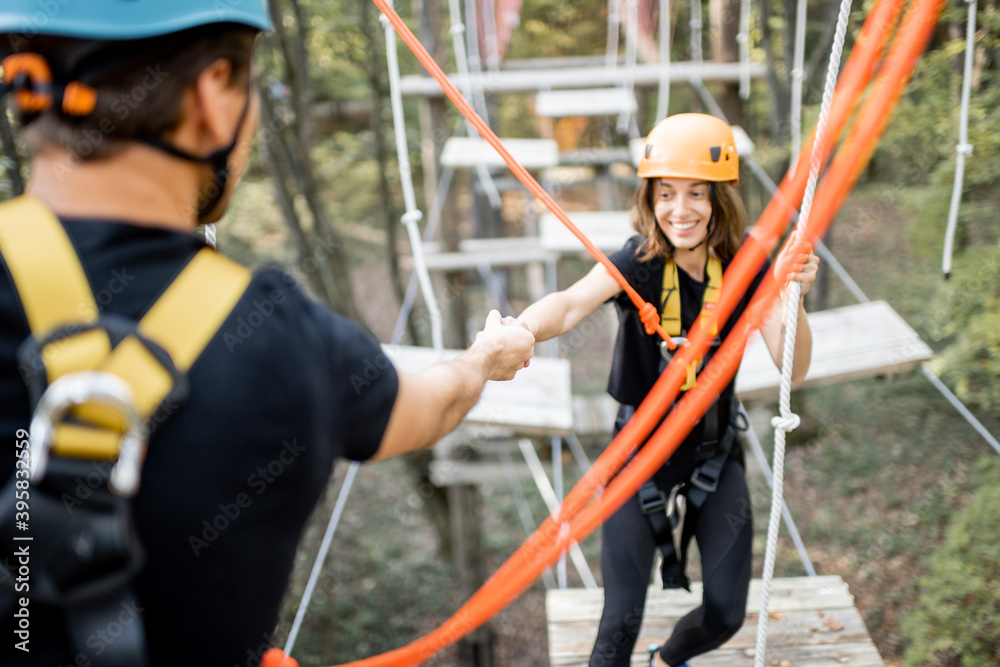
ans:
(691, 145)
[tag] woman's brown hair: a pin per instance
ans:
(729, 222)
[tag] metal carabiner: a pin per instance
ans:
(666, 352)
(77, 389)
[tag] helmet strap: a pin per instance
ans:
(217, 161)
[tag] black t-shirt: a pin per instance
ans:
(232, 474)
(636, 364)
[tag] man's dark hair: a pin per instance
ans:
(139, 84)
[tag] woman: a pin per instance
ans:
(690, 223)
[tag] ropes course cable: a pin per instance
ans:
(324, 548)
(696, 26)
(797, 74)
(663, 98)
(964, 148)
(631, 55)
(614, 24)
(461, 61)
(787, 420)
(210, 236)
(743, 39)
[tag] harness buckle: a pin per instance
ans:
(651, 499)
(703, 481)
(78, 389)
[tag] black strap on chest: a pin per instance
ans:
(668, 512)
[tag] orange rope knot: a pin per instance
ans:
(650, 318)
(275, 657)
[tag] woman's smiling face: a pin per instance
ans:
(683, 207)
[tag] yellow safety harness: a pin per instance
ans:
(75, 355)
(670, 315)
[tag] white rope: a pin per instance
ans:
(787, 420)
(663, 99)
(412, 214)
(462, 62)
(964, 148)
(743, 39)
(210, 238)
(797, 74)
(696, 26)
(324, 548)
(631, 49)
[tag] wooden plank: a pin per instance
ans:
(608, 230)
(787, 595)
(447, 472)
(502, 256)
(585, 102)
(645, 74)
(813, 623)
(849, 343)
(471, 152)
(536, 402)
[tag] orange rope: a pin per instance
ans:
(553, 537)
(647, 312)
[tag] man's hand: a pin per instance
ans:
(508, 344)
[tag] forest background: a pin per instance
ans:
(891, 488)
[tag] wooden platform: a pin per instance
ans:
(608, 230)
(536, 402)
(813, 623)
(585, 102)
(471, 152)
(533, 80)
(849, 343)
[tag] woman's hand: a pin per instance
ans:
(796, 263)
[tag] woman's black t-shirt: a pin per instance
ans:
(636, 364)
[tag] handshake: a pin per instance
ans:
(507, 343)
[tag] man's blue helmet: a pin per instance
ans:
(125, 19)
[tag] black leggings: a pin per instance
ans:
(724, 531)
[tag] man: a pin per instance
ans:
(139, 118)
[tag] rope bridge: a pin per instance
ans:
(581, 511)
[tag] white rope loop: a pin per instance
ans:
(787, 419)
(964, 148)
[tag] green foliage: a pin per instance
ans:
(554, 28)
(957, 620)
(971, 321)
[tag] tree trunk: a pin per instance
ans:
(778, 88)
(297, 140)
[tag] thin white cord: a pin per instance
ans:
(964, 148)
(787, 420)
(663, 100)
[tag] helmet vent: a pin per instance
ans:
(716, 153)
(649, 149)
